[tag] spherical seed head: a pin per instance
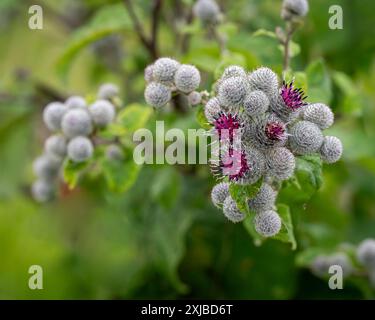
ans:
(76, 122)
(320, 114)
(331, 150)
(195, 98)
(267, 223)
(264, 79)
(264, 199)
(305, 138)
(366, 253)
(294, 9)
(165, 70)
(233, 71)
(157, 95)
(219, 193)
(227, 126)
(114, 153)
(212, 110)
(280, 163)
(75, 102)
(149, 73)
(294, 98)
(56, 146)
(231, 210)
(108, 91)
(187, 78)
(46, 167)
(256, 103)
(53, 114)
(102, 113)
(232, 91)
(80, 149)
(42, 190)
(207, 11)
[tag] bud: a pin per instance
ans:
(264, 199)
(80, 149)
(292, 9)
(267, 223)
(331, 149)
(157, 95)
(306, 138)
(53, 114)
(320, 114)
(219, 193)
(264, 79)
(231, 210)
(280, 163)
(165, 70)
(187, 78)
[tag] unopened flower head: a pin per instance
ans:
(195, 98)
(233, 71)
(164, 70)
(149, 71)
(320, 114)
(256, 103)
(157, 95)
(42, 190)
(46, 167)
(102, 113)
(231, 210)
(232, 91)
(80, 149)
(264, 199)
(187, 78)
(264, 79)
(331, 149)
(305, 138)
(74, 102)
(219, 193)
(55, 145)
(114, 153)
(366, 253)
(294, 9)
(77, 122)
(53, 114)
(280, 163)
(207, 11)
(212, 110)
(267, 223)
(108, 91)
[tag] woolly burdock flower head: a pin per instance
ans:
(219, 193)
(80, 149)
(294, 9)
(275, 130)
(280, 163)
(206, 11)
(256, 103)
(157, 95)
(305, 138)
(187, 78)
(53, 114)
(102, 113)
(227, 126)
(76, 102)
(264, 79)
(149, 73)
(55, 145)
(267, 223)
(233, 71)
(231, 210)
(46, 166)
(77, 122)
(366, 253)
(264, 199)
(294, 98)
(164, 70)
(108, 91)
(232, 91)
(331, 149)
(195, 98)
(320, 114)
(212, 110)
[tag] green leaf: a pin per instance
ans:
(294, 49)
(201, 118)
(134, 117)
(264, 33)
(241, 194)
(319, 83)
(309, 171)
(120, 175)
(286, 233)
(168, 187)
(108, 20)
(248, 223)
(73, 170)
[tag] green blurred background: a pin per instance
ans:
(163, 238)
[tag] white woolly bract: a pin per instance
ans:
(42, 190)
(256, 103)
(280, 163)
(294, 8)
(331, 149)
(157, 95)
(187, 78)
(231, 210)
(53, 114)
(75, 102)
(76, 122)
(102, 112)
(80, 149)
(212, 109)
(264, 79)
(164, 70)
(320, 114)
(267, 223)
(232, 91)
(264, 199)
(207, 11)
(305, 138)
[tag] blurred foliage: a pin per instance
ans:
(163, 238)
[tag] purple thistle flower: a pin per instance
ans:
(233, 165)
(293, 97)
(226, 126)
(275, 130)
